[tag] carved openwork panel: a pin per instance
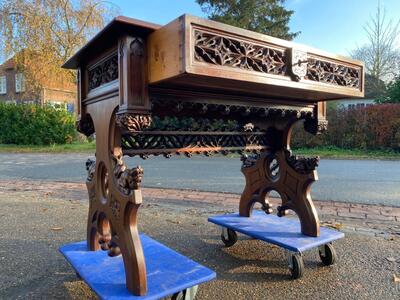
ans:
(224, 109)
(189, 136)
(229, 52)
(333, 73)
(201, 128)
(190, 143)
(103, 72)
(226, 51)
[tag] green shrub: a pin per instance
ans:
(372, 127)
(35, 125)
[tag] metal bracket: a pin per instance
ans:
(321, 249)
(224, 232)
(191, 292)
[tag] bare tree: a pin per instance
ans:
(381, 53)
(42, 34)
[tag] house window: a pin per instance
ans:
(3, 85)
(360, 105)
(19, 83)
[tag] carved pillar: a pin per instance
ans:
(133, 88)
(289, 175)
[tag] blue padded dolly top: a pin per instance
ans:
(283, 232)
(168, 272)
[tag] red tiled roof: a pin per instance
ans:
(8, 64)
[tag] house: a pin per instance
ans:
(355, 103)
(12, 89)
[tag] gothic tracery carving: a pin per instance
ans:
(230, 52)
(332, 73)
(103, 72)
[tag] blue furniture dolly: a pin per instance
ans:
(282, 232)
(168, 272)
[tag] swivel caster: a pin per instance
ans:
(327, 254)
(296, 266)
(188, 294)
(228, 237)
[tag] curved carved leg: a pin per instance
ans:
(125, 202)
(131, 250)
(92, 232)
(296, 190)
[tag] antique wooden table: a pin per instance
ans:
(196, 86)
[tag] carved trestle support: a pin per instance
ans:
(112, 222)
(114, 199)
(113, 188)
(289, 176)
(277, 169)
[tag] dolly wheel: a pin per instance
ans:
(296, 266)
(179, 296)
(228, 237)
(188, 294)
(327, 254)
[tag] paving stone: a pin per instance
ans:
(380, 217)
(364, 210)
(328, 210)
(351, 215)
(390, 211)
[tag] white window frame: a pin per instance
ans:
(3, 85)
(19, 83)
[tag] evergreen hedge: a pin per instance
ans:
(35, 125)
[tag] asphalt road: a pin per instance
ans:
(361, 181)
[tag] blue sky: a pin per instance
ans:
(332, 25)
